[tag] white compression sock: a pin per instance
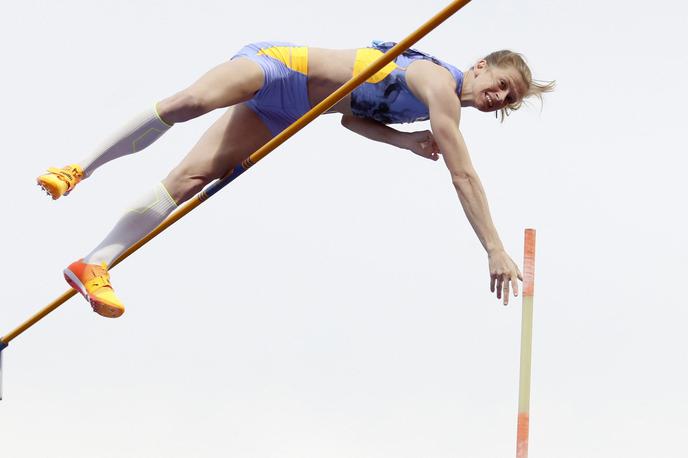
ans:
(144, 216)
(136, 135)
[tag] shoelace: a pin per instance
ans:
(69, 176)
(99, 281)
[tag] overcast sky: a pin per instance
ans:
(334, 301)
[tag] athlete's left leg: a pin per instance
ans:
(225, 85)
(229, 141)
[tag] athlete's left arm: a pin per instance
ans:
(435, 87)
(421, 143)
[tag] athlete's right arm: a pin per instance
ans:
(421, 143)
(436, 88)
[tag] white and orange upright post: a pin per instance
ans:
(526, 345)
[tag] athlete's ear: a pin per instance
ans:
(479, 67)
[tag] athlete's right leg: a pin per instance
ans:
(225, 85)
(229, 141)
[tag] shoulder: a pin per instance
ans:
(430, 81)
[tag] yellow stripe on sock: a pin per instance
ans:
(157, 114)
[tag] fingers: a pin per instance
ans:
(429, 150)
(504, 276)
(506, 292)
(435, 149)
(427, 147)
(503, 284)
(514, 282)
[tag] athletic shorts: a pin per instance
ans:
(284, 96)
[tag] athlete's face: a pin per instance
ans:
(495, 88)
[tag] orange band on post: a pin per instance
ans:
(529, 263)
(522, 435)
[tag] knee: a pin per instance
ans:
(181, 107)
(183, 184)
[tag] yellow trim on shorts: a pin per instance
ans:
(366, 56)
(294, 57)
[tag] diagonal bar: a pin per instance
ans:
(214, 187)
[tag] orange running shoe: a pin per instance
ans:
(59, 182)
(93, 282)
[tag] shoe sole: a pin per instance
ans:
(47, 191)
(100, 308)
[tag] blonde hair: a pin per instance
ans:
(505, 59)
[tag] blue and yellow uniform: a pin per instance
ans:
(384, 97)
(284, 96)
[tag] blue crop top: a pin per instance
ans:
(386, 97)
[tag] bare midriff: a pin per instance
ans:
(329, 69)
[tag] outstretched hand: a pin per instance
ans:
(423, 144)
(503, 271)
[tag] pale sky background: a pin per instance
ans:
(333, 301)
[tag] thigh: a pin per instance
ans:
(229, 83)
(231, 139)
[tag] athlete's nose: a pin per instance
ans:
(502, 95)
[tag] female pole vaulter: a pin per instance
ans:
(266, 87)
